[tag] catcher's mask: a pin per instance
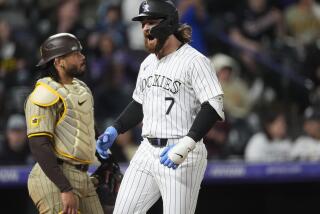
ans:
(58, 45)
(159, 9)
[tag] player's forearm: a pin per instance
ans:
(204, 120)
(129, 118)
(40, 147)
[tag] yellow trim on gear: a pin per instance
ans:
(61, 212)
(40, 134)
(59, 96)
(71, 156)
(49, 89)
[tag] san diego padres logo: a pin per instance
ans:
(35, 120)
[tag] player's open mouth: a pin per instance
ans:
(149, 37)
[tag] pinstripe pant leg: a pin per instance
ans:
(138, 190)
(180, 188)
(44, 193)
(137, 193)
(90, 203)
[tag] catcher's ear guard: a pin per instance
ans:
(107, 179)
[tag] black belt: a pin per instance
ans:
(159, 142)
(81, 167)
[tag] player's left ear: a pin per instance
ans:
(60, 62)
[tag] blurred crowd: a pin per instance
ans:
(266, 54)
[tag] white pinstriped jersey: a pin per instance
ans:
(172, 89)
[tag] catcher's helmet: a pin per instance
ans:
(58, 45)
(159, 9)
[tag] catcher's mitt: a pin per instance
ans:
(107, 179)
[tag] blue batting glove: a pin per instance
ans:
(105, 141)
(165, 160)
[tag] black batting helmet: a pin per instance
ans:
(159, 9)
(58, 45)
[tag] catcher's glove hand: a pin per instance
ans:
(107, 179)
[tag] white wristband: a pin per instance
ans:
(179, 152)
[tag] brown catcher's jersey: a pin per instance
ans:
(65, 113)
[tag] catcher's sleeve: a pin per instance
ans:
(131, 116)
(204, 120)
(41, 150)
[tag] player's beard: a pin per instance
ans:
(150, 43)
(76, 71)
(153, 45)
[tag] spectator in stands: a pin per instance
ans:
(238, 99)
(101, 59)
(65, 18)
(12, 58)
(106, 59)
(135, 37)
(216, 141)
(194, 13)
(112, 24)
(112, 87)
(68, 16)
(14, 75)
(255, 29)
(307, 146)
(303, 25)
(303, 21)
(271, 144)
(15, 149)
(2, 106)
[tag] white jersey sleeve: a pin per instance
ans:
(205, 83)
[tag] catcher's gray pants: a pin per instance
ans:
(46, 196)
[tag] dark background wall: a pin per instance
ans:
(216, 199)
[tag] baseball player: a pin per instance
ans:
(177, 98)
(60, 128)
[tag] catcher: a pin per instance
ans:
(60, 128)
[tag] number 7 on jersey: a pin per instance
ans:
(171, 104)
